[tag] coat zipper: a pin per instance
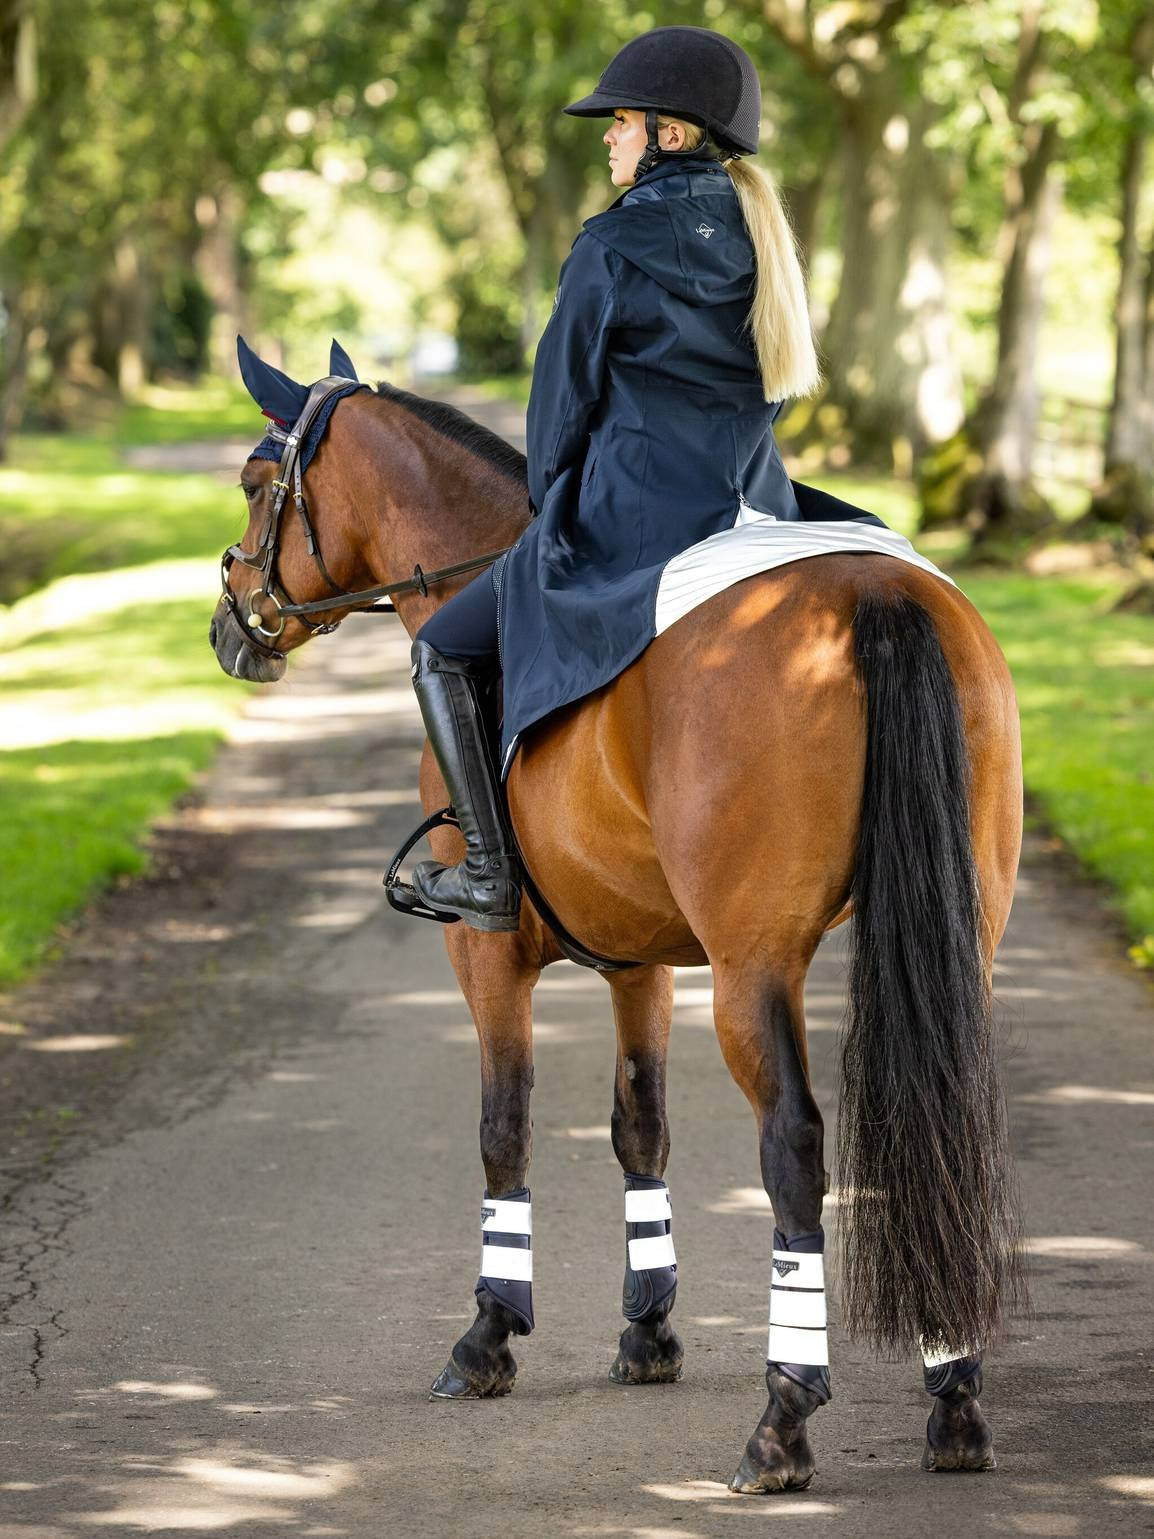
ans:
(500, 594)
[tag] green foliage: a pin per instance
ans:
(1085, 684)
(488, 328)
(110, 698)
(1084, 678)
(213, 409)
(81, 512)
(73, 813)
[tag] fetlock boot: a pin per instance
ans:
(485, 888)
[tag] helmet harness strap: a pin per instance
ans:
(653, 151)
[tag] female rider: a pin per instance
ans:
(679, 327)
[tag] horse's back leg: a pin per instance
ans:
(650, 1351)
(760, 1024)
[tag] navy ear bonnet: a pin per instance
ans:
(283, 400)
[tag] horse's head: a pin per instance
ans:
(277, 565)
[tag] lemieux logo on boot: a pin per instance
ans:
(705, 229)
(784, 1268)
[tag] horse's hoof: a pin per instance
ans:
(974, 1459)
(784, 1474)
(627, 1371)
(958, 1436)
(649, 1352)
(454, 1384)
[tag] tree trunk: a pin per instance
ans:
(891, 367)
(999, 498)
(1126, 496)
(998, 501)
(803, 201)
(18, 87)
(218, 268)
(18, 61)
(14, 333)
(131, 318)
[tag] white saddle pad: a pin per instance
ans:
(759, 541)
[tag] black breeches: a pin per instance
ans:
(466, 625)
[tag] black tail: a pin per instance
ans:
(929, 1231)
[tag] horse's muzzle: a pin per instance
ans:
(236, 654)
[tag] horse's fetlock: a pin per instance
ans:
(790, 1404)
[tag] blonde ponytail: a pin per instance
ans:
(778, 320)
(779, 316)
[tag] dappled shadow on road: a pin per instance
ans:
(226, 1491)
(266, 1297)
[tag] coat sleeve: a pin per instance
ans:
(570, 364)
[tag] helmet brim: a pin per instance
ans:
(599, 104)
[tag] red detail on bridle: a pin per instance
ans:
(280, 422)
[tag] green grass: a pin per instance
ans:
(110, 703)
(209, 410)
(1085, 686)
(73, 814)
(68, 503)
(110, 698)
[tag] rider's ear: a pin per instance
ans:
(275, 393)
(340, 363)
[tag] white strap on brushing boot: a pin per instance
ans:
(507, 1254)
(650, 1260)
(798, 1343)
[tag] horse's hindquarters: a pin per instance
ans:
(708, 799)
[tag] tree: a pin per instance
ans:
(893, 386)
(1126, 497)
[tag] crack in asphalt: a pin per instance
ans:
(22, 1273)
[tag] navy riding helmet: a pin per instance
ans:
(686, 72)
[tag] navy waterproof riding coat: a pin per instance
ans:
(647, 421)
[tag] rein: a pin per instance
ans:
(264, 558)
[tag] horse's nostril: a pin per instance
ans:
(212, 634)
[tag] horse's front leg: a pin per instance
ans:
(497, 981)
(650, 1351)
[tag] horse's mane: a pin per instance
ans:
(461, 429)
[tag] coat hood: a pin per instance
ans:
(682, 226)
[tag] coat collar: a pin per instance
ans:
(666, 168)
(672, 167)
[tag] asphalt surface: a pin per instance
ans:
(240, 1230)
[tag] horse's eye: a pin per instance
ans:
(249, 490)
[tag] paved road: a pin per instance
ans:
(239, 1258)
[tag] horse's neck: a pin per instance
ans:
(439, 503)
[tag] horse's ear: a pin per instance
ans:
(275, 394)
(340, 363)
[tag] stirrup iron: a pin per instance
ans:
(405, 898)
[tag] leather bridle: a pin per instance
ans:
(264, 558)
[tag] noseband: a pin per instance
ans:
(264, 558)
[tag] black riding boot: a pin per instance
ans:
(484, 889)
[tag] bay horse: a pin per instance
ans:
(836, 736)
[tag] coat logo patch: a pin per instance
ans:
(705, 229)
(784, 1268)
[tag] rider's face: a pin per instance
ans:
(626, 139)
